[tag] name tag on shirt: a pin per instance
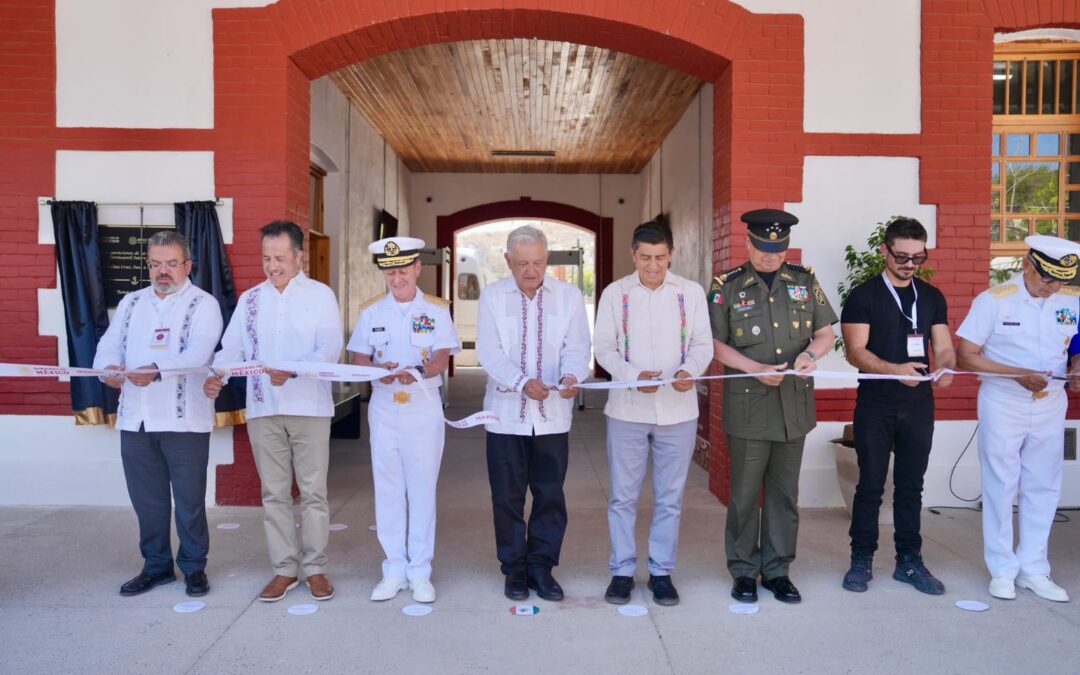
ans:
(160, 338)
(915, 347)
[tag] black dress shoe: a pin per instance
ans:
(145, 582)
(516, 586)
(618, 591)
(197, 584)
(782, 589)
(744, 589)
(545, 585)
(663, 591)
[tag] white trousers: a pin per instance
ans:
(406, 451)
(1021, 442)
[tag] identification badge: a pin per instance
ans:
(160, 338)
(915, 347)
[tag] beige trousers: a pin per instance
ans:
(284, 444)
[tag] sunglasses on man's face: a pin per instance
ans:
(902, 259)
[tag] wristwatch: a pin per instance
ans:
(810, 354)
(420, 369)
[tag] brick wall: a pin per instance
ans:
(264, 59)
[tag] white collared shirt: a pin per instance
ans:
(666, 329)
(301, 323)
(1016, 329)
(405, 334)
(180, 330)
(507, 325)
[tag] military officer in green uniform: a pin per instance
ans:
(767, 316)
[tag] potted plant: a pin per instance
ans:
(862, 266)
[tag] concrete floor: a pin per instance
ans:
(60, 569)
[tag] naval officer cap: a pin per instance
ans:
(769, 229)
(396, 251)
(1054, 257)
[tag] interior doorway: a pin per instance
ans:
(478, 262)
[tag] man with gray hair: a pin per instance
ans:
(164, 418)
(532, 338)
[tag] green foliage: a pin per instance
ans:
(862, 266)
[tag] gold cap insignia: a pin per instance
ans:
(391, 249)
(1069, 261)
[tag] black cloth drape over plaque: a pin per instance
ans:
(75, 229)
(198, 223)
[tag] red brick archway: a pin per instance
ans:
(264, 59)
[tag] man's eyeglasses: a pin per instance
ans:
(172, 264)
(902, 259)
(1050, 280)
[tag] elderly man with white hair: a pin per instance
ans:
(532, 336)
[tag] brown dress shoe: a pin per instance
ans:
(277, 588)
(320, 587)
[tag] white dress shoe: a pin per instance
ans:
(1042, 586)
(388, 588)
(423, 591)
(1002, 587)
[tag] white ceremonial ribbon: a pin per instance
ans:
(475, 419)
(339, 372)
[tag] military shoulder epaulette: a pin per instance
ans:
(807, 269)
(437, 301)
(1004, 290)
(1070, 291)
(372, 301)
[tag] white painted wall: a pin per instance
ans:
(452, 192)
(364, 176)
(138, 64)
(818, 485)
(862, 63)
(844, 198)
(48, 460)
(678, 182)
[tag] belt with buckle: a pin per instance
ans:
(401, 397)
(1038, 395)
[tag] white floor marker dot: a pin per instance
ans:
(972, 605)
(228, 526)
(371, 527)
(416, 610)
(188, 607)
(301, 610)
(338, 527)
(298, 526)
(743, 608)
(633, 610)
(524, 610)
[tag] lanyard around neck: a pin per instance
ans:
(914, 318)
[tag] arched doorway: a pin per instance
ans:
(599, 227)
(478, 261)
(261, 156)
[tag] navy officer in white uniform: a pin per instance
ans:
(1023, 327)
(410, 334)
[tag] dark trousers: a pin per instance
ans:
(905, 430)
(154, 462)
(763, 511)
(537, 463)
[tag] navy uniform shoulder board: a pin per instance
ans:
(800, 268)
(437, 301)
(372, 301)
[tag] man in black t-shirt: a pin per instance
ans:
(889, 324)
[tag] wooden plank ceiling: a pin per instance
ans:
(448, 107)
